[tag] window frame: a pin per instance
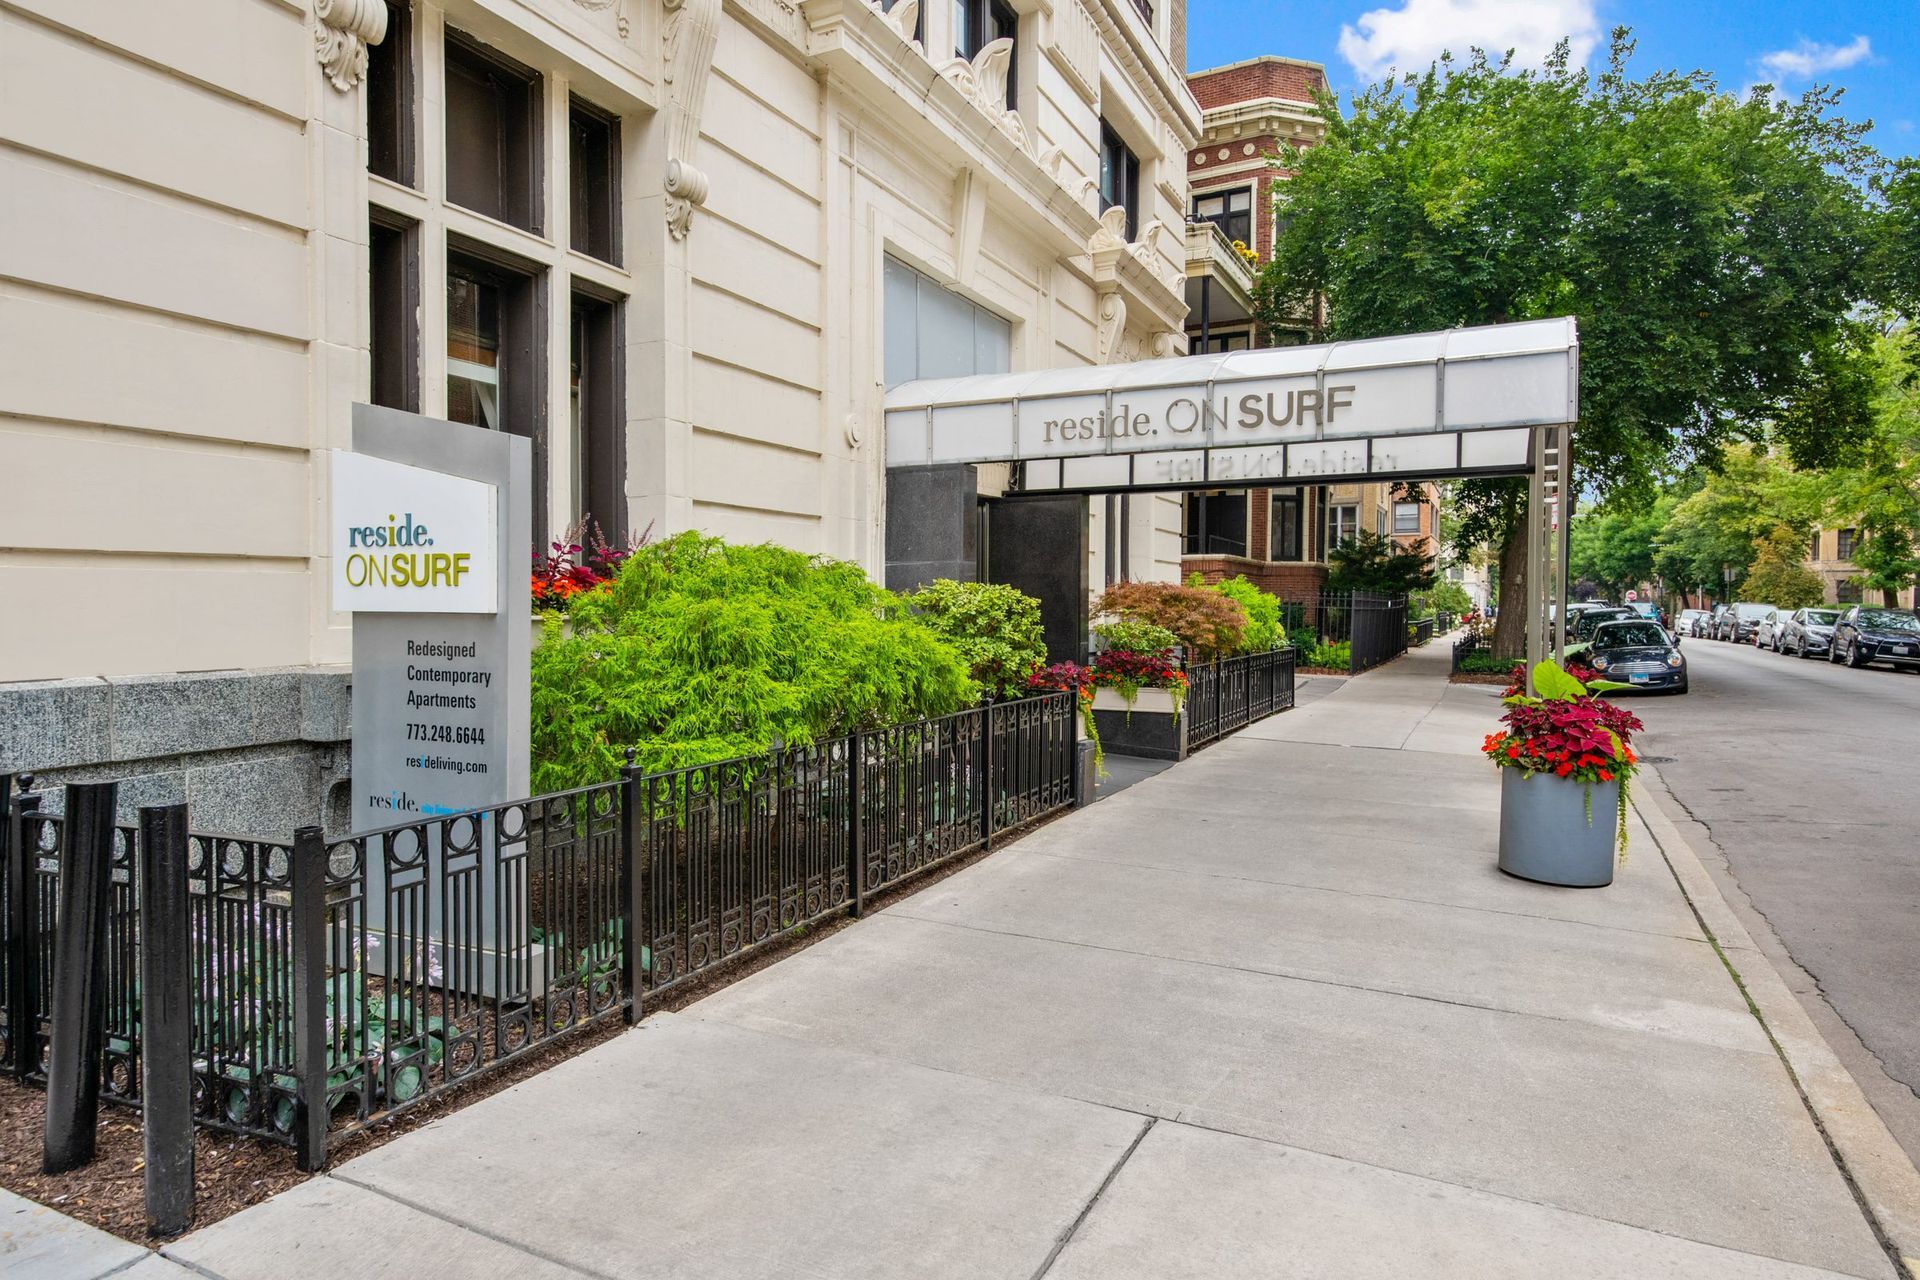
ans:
(392, 122)
(1404, 507)
(393, 310)
(987, 21)
(1335, 522)
(1279, 529)
(1119, 180)
(520, 198)
(1227, 212)
(584, 115)
(525, 363)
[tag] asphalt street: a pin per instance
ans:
(1806, 777)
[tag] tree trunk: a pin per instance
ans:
(1510, 628)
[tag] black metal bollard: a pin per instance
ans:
(311, 1109)
(856, 822)
(23, 951)
(166, 1019)
(79, 978)
(633, 892)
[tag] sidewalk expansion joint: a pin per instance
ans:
(1840, 1165)
(517, 1246)
(1073, 1228)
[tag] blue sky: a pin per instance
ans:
(1869, 47)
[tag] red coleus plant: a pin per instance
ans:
(1568, 733)
(583, 560)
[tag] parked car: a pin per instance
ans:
(1581, 629)
(1772, 627)
(1689, 623)
(1868, 633)
(1709, 627)
(1639, 652)
(1809, 632)
(1739, 620)
(1649, 610)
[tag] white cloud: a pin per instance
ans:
(1809, 58)
(1419, 31)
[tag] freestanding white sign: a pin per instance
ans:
(409, 540)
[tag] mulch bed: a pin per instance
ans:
(232, 1173)
(1480, 677)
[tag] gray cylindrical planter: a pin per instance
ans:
(1546, 833)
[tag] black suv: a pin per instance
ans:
(1868, 633)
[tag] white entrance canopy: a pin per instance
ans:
(1461, 402)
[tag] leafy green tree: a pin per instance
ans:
(703, 651)
(1710, 247)
(1711, 538)
(1614, 548)
(993, 627)
(1371, 562)
(1779, 576)
(1877, 489)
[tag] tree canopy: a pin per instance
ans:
(1714, 250)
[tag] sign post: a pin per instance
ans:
(431, 531)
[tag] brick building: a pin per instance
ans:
(1278, 538)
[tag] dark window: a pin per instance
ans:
(597, 432)
(1847, 539)
(1220, 342)
(1814, 553)
(1283, 527)
(593, 165)
(390, 99)
(493, 134)
(1145, 8)
(1406, 517)
(977, 24)
(1847, 593)
(393, 313)
(1231, 211)
(1119, 177)
(496, 353)
(1216, 524)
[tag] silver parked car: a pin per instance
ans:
(1809, 632)
(1772, 629)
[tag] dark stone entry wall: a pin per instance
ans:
(1039, 544)
(933, 523)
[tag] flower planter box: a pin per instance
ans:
(1551, 834)
(1148, 729)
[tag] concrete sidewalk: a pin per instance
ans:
(1272, 1012)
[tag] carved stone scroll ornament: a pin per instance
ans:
(692, 29)
(1112, 324)
(904, 18)
(619, 8)
(1111, 233)
(984, 81)
(341, 34)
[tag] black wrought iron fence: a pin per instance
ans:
(1420, 632)
(1354, 629)
(1228, 695)
(338, 982)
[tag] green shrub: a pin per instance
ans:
(1303, 639)
(1337, 655)
(1208, 624)
(1482, 661)
(1263, 613)
(993, 627)
(1133, 636)
(702, 651)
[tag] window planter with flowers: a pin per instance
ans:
(581, 561)
(1566, 758)
(1137, 672)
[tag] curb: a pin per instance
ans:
(1882, 1178)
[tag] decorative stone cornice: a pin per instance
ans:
(342, 31)
(691, 30)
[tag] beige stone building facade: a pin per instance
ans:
(681, 245)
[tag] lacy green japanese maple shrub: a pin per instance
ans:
(994, 628)
(702, 650)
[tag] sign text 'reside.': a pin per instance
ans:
(408, 540)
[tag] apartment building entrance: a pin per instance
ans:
(1499, 400)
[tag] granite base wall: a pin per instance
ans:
(255, 752)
